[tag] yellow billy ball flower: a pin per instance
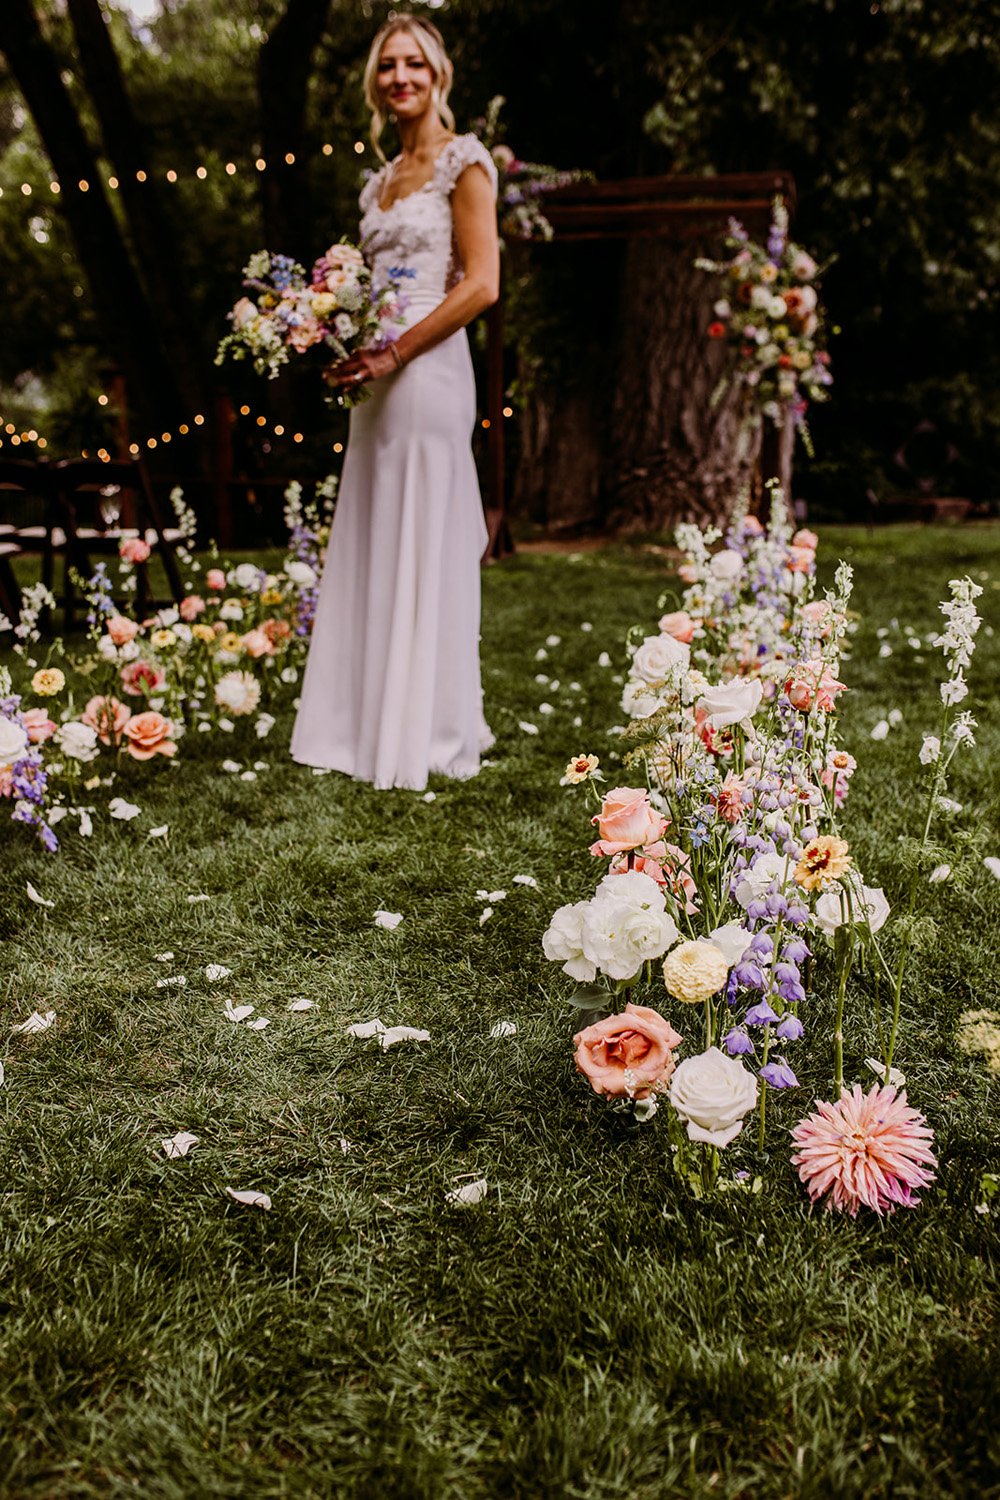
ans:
(271, 597)
(694, 970)
(48, 681)
(203, 633)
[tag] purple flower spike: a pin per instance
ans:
(762, 944)
(749, 974)
(786, 971)
(791, 992)
(777, 906)
(790, 1028)
(757, 911)
(761, 1014)
(779, 1075)
(795, 952)
(796, 915)
(737, 1043)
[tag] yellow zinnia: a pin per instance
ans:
(203, 633)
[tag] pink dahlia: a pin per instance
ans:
(867, 1149)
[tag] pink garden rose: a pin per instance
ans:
(626, 821)
(149, 734)
(687, 573)
(122, 630)
(811, 683)
(215, 579)
(191, 606)
(108, 717)
(680, 625)
(134, 549)
(638, 1042)
(643, 864)
(800, 559)
(38, 726)
(804, 538)
(138, 677)
(257, 643)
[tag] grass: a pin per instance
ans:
(588, 1330)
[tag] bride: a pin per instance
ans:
(392, 685)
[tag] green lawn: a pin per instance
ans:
(588, 1330)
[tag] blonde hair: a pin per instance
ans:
(431, 44)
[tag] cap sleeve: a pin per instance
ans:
(371, 190)
(464, 151)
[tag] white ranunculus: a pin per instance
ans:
(77, 740)
(732, 702)
(657, 657)
(563, 942)
(868, 907)
(726, 566)
(754, 882)
(13, 742)
(712, 1093)
(237, 691)
(732, 941)
(245, 576)
(301, 574)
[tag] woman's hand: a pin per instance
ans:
(360, 368)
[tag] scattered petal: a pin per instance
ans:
(124, 811)
(249, 1198)
(365, 1029)
(161, 832)
(55, 815)
(201, 896)
(897, 1080)
(546, 708)
(232, 766)
(344, 1144)
(180, 1144)
(527, 728)
(526, 880)
(321, 770)
(249, 776)
(880, 730)
(177, 979)
(390, 920)
(939, 874)
(469, 1193)
(164, 958)
(429, 797)
(36, 1022)
(297, 1005)
(236, 1013)
(604, 660)
(393, 1034)
(484, 915)
(993, 865)
(503, 1028)
(258, 1023)
(553, 640)
(586, 626)
(34, 896)
(216, 971)
(895, 716)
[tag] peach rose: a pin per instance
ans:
(687, 573)
(215, 579)
(276, 630)
(680, 625)
(191, 606)
(752, 527)
(121, 629)
(149, 734)
(805, 538)
(256, 643)
(108, 717)
(38, 726)
(800, 559)
(134, 549)
(813, 682)
(629, 1054)
(642, 864)
(626, 821)
(139, 677)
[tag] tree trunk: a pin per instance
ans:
(150, 228)
(283, 73)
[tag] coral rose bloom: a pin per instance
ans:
(628, 1054)
(256, 643)
(191, 606)
(134, 549)
(149, 734)
(38, 726)
(215, 579)
(680, 625)
(813, 682)
(108, 717)
(122, 630)
(805, 538)
(276, 630)
(626, 821)
(139, 677)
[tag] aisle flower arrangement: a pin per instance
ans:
(521, 185)
(230, 653)
(725, 872)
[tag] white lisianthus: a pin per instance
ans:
(712, 1093)
(930, 750)
(726, 566)
(754, 882)
(239, 692)
(245, 576)
(732, 702)
(77, 740)
(301, 574)
(563, 942)
(13, 742)
(868, 907)
(732, 941)
(657, 657)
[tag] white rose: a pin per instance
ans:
(930, 750)
(231, 610)
(563, 942)
(711, 1093)
(13, 742)
(726, 566)
(755, 882)
(732, 941)
(868, 906)
(658, 656)
(777, 307)
(237, 691)
(301, 574)
(732, 702)
(77, 740)
(245, 576)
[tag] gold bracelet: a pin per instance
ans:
(396, 356)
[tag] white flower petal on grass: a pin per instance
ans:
(993, 865)
(880, 730)
(55, 815)
(546, 708)
(35, 1023)
(119, 808)
(393, 1034)
(260, 765)
(604, 660)
(390, 920)
(321, 770)
(216, 971)
(527, 728)
(199, 896)
(429, 797)
(895, 717)
(164, 958)
(161, 832)
(249, 1198)
(179, 1144)
(897, 1080)
(34, 896)
(469, 1193)
(298, 1005)
(586, 626)
(885, 649)
(484, 915)
(178, 979)
(86, 821)
(259, 1023)
(249, 776)
(3, 1075)
(526, 880)
(938, 874)
(503, 1028)
(553, 640)
(365, 1029)
(232, 767)
(237, 1013)
(344, 1144)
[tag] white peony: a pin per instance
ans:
(732, 941)
(245, 576)
(657, 657)
(868, 906)
(711, 1093)
(563, 942)
(301, 574)
(726, 566)
(13, 742)
(77, 740)
(732, 702)
(239, 692)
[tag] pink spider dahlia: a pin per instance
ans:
(867, 1149)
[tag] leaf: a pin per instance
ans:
(249, 1198)
(590, 997)
(34, 896)
(179, 1145)
(469, 1194)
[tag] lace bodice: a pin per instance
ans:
(414, 236)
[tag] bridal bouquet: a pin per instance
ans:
(335, 308)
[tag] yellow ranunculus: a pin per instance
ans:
(48, 681)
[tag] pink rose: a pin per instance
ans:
(800, 559)
(149, 734)
(191, 606)
(687, 573)
(628, 1054)
(643, 864)
(806, 538)
(108, 717)
(680, 625)
(811, 683)
(752, 527)
(122, 630)
(38, 725)
(134, 549)
(626, 821)
(138, 677)
(257, 643)
(6, 781)
(215, 578)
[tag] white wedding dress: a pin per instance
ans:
(392, 685)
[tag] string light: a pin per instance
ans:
(508, 411)
(184, 429)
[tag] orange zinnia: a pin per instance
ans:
(823, 860)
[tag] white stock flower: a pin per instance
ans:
(930, 750)
(13, 741)
(711, 1093)
(77, 740)
(732, 702)
(726, 566)
(563, 942)
(239, 692)
(301, 574)
(658, 657)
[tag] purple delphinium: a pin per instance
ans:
(778, 1074)
(761, 1014)
(737, 1042)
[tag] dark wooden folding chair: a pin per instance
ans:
(96, 497)
(30, 483)
(10, 594)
